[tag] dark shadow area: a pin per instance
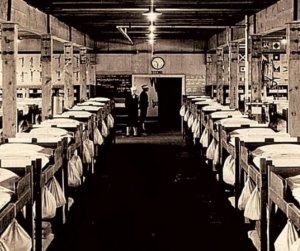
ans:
(169, 102)
(154, 196)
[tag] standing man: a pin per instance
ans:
(144, 103)
(131, 104)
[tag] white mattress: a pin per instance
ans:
(248, 134)
(236, 121)
(40, 138)
(61, 122)
(277, 138)
(99, 99)
(224, 114)
(207, 102)
(21, 155)
(216, 107)
(281, 154)
(50, 131)
(88, 108)
(20, 147)
(75, 114)
(16, 160)
(200, 99)
(92, 103)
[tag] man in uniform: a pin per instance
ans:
(144, 103)
(131, 104)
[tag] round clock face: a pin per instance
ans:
(157, 63)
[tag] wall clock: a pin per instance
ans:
(157, 63)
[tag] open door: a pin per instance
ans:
(169, 102)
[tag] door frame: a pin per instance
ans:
(182, 76)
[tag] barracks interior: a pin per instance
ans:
(149, 125)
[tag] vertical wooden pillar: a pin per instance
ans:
(233, 75)
(219, 73)
(68, 76)
(246, 62)
(293, 52)
(9, 78)
(225, 75)
(83, 74)
(256, 68)
(93, 74)
(46, 62)
(208, 71)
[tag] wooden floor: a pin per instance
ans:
(152, 193)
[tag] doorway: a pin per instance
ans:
(169, 102)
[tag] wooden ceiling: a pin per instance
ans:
(180, 19)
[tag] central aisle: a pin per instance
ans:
(150, 193)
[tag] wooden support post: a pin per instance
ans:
(233, 75)
(208, 70)
(224, 78)
(46, 62)
(219, 73)
(9, 78)
(93, 75)
(68, 76)
(83, 74)
(256, 72)
(293, 52)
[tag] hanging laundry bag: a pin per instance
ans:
(15, 238)
(98, 139)
(110, 121)
(229, 170)
(296, 245)
(246, 193)
(182, 111)
(252, 208)
(56, 190)
(104, 130)
(74, 176)
(286, 238)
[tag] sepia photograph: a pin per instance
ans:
(149, 125)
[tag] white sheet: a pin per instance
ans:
(216, 107)
(40, 138)
(224, 114)
(44, 132)
(21, 155)
(75, 114)
(207, 102)
(236, 121)
(63, 122)
(87, 108)
(20, 147)
(15, 160)
(251, 133)
(99, 99)
(92, 103)
(281, 154)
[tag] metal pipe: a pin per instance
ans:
(111, 10)
(246, 62)
(180, 26)
(124, 33)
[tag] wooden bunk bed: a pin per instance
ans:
(56, 150)
(258, 173)
(279, 194)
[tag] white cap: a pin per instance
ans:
(133, 88)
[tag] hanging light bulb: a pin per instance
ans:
(152, 14)
(151, 41)
(152, 27)
(151, 35)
